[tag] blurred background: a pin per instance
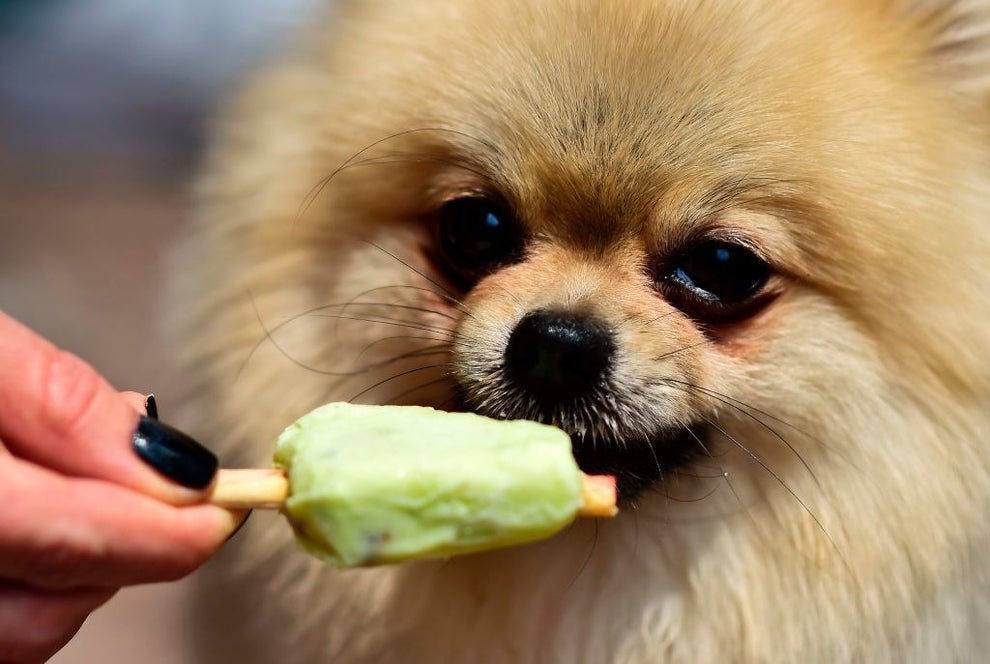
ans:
(103, 109)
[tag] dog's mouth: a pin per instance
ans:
(639, 464)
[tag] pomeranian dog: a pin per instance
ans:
(738, 249)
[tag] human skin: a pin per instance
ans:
(81, 513)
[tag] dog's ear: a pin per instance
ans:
(957, 34)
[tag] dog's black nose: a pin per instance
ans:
(555, 355)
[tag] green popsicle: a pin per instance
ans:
(372, 485)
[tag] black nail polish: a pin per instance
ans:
(151, 406)
(174, 454)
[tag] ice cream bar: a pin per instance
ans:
(372, 485)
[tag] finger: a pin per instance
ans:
(58, 412)
(35, 624)
(64, 533)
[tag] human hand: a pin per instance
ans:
(93, 496)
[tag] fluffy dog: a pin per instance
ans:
(736, 248)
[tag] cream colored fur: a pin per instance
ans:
(847, 140)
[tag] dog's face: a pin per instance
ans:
(716, 235)
(639, 225)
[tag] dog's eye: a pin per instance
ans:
(716, 279)
(477, 235)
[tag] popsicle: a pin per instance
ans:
(372, 485)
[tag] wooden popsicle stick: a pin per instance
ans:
(598, 496)
(250, 488)
(267, 488)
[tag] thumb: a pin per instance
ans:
(58, 412)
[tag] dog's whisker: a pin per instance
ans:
(776, 476)
(708, 517)
(395, 158)
(389, 321)
(405, 338)
(687, 472)
(402, 306)
(409, 355)
(419, 352)
(393, 305)
(669, 497)
(662, 484)
(732, 488)
(656, 459)
(444, 292)
(268, 336)
(457, 304)
(679, 350)
(743, 405)
(318, 188)
(450, 401)
(416, 388)
(732, 403)
(700, 442)
(396, 377)
(355, 302)
(660, 317)
(587, 558)
(429, 351)
(270, 331)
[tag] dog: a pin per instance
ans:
(737, 249)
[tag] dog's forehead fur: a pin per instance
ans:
(616, 119)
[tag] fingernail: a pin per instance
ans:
(174, 454)
(151, 406)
